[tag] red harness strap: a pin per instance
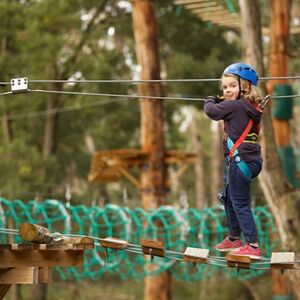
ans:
(241, 138)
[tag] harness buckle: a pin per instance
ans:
(237, 158)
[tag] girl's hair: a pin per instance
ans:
(254, 95)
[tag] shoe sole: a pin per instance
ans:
(227, 249)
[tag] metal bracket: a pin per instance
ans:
(19, 85)
(265, 101)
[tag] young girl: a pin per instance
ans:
(241, 104)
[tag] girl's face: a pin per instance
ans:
(230, 87)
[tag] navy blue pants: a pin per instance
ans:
(238, 202)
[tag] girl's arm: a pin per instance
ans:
(218, 111)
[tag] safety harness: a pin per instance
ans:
(233, 152)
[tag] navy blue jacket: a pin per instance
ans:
(236, 115)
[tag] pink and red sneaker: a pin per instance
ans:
(247, 250)
(228, 245)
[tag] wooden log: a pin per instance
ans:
(38, 234)
(34, 233)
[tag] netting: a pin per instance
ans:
(179, 228)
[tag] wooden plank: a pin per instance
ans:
(5, 247)
(195, 255)
(283, 260)
(45, 275)
(182, 2)
(201, 5)
(153, 248)
(113, 243)
(4, 289)
(24, 275)
(37, 258)
(213, 10)
(29, 246)
(52, 246)
(238, 261)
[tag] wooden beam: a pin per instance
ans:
(210, 11)
(205, 5)
(221, 20)
(131, 178)
(182, 2)
(29, 275)
(225, 23)
(219, 14)
(4, 289)
(32, 246)
(40, 258)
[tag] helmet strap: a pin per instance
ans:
(241, 92)
(240, 88)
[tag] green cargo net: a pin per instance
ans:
(179, 228)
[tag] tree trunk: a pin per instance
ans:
(196, 143)
(50, 126)
(6, 125)
(153, 174)
(217, 162)
(278, 62)
(281, 200)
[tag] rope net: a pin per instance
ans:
(179, 228)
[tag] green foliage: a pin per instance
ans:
(59, 40)
(24, 166)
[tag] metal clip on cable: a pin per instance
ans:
(19, 85)
(265, 101)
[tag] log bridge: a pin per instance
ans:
(31, 262)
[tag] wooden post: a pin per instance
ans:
(153, 174)
(278, 66)
(278, 60)
(274, 188)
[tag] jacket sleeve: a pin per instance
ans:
(219, 111)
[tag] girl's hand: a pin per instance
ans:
(216, 98)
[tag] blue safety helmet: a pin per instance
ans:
(244, 71)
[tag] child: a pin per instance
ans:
(241, 104)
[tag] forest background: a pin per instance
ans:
(48, 139)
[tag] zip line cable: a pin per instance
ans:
(126, 96)
(132, 96)
(143, 81)
(101, 102)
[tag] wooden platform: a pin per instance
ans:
(110, 165)
(31, 263)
